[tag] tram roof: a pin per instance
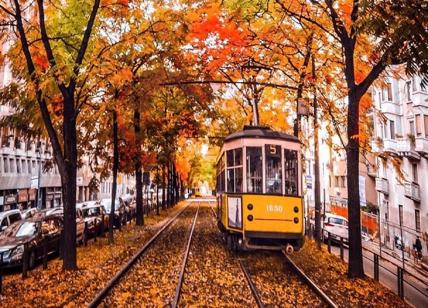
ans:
(260, 132)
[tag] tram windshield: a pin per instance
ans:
(273, 169)
(254, 169)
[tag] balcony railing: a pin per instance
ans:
(389, 145)
(390, 107)
(382, 185)
(412, 191)
(421, 145)
(407, 148)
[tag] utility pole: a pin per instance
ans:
(317, 163)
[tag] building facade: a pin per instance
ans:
(401, 142)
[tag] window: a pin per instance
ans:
(415, 173)
(426, 125)
(392, 129)
(234, 170)
(14, 217)
(29, 166)
(389, 91)
(417, 221)
(407, 90)
(220, 175)
(412, 127)
(18, 166)
(291, 172)
(418, 125)
(4, 223)
(414, 84)
(5, 165)
(12, 165)
(336, 181)
(273, 169)
(254, 169)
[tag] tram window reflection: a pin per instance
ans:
(273, 169)
(234, 170)
(220, 174)
(290, 172)
(254, 169)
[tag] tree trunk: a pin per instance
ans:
(317, 163)
(168, 186)
(163, 187)
(138, 171)
(157, 191)
(115, 170)
(68, 181)
(355, 265)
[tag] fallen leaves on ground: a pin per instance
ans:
(278, 285)
(213, 277)
(97, 263)
(330, 273)
(152, 280)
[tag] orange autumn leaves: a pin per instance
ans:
(217, 40)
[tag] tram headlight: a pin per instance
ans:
(296, 209)
(250, 206)
(250, 217)
(296, 220)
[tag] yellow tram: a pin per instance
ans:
(259, 202)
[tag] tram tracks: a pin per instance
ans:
(132, 282)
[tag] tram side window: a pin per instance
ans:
(273, 169)
(234, 170)
(290, 172)
(220, 175)
(254, 169)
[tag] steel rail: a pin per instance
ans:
(253, 287)
(116, 278)
(183, 265)
(310, 282)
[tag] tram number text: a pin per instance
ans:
(274, 208)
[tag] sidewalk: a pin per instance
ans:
(394, 257)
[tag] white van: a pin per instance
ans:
(9, 217)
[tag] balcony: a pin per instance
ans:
(382, 185)
(422, 146)
(412, 191)
(390, 107)
(407, 148)
(390, 145)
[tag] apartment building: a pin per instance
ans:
(23, 161)
(400, 120)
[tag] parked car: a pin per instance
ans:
(32, 232)
(9, 217)
(28, 213)
(336, 226)
(93, 216)
(80, 222)
(119, 207)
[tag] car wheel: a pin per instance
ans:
(32, 260)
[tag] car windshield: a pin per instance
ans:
(28, 228)
(338, 221)
(20, 229)
(94, 211)
(107, 205)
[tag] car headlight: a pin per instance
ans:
(17, 252)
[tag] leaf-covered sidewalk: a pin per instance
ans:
(329, 273)
(97, 263)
